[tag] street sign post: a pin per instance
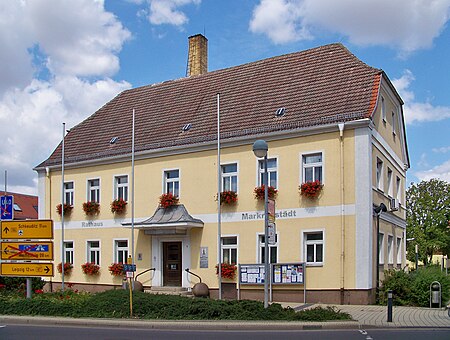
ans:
(7, 207)
(27, 230)
(24, 269)
(27, 250)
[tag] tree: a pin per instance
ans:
(427, 216)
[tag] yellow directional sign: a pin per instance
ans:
(26, 269)
(27, 229)
(27, 250)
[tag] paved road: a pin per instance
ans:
(38, 332)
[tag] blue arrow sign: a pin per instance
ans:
(7, 207)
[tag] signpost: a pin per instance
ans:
(7, 207)
(26, 269)
(27, 250)
(27, 230)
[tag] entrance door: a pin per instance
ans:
(172, 264)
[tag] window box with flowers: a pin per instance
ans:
(167, 200)
(118, 206)
(228, 197)
(228, 270)
(90, 268)
(311, 189)
(91, 207)
(67, 209)
(259, 192)
(67, 268)
(116, 269)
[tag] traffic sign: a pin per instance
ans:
(272, 232)
(26, 269)
(27, 250)
(129, 267)
(7, 207)
(27, 229)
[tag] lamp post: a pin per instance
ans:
(260, 149)
(378, 210)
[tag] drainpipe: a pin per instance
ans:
(47, 174)
(341, 139)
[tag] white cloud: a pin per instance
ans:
(53, 47)
(417, 111)
(441, 171)
(403, 24)
(443, 149)
(166, 11)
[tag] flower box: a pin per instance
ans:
(228, 197)
(168, 200)
(116, 269)
(67, 268)
(260, 195)
(118, 206)
(67, 209)
(228, 270)
(311, 189)
(91, 207)
(90, 268)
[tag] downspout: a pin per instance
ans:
(341, 140)
(47, 174)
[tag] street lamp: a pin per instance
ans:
(378, 210)
(260, 149)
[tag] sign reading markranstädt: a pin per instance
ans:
(26, 269)
(27, 230)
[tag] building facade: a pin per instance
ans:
(325, 115)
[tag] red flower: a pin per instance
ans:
(260, 195)
(67, 209)
(118, 206)
(116, 269)
(91, 207)
(67, 268)
(90, 268)
(167, 200)
(311, 189)
(227, 270)
(228, 197)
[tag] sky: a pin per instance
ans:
(61, 60)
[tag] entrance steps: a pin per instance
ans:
(169, 291)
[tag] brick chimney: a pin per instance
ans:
(197, 55)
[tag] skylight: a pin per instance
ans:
(113, 140)
(16, 207)
(280, 112)
(186, 127)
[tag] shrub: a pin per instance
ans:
(400, 283)
(19, 283)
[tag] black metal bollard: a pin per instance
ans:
(389, 305)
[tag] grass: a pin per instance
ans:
(115, 304)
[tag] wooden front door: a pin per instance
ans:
(172, 264)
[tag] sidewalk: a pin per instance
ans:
(376, 316)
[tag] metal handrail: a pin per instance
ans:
(145, 271)
(187, 270)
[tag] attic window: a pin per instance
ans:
(186, 127)
(280, 112)
(113, 140)
(16, 207)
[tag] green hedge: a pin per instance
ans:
(413, 289)
(115, 304)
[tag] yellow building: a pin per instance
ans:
(325, 115)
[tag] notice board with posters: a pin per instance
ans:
(251, 274)
(288, 273)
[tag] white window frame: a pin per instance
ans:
(394, 123)
(272, 171)
(379, 173)
(390, 248)
(229, 175)
(69, 193)
(93, 188)
(306, 242)
(398, 188)
(381, 248)
(89, 249)
(303, 165)
(118, 187)
(383, 109)
(399, 250)
(261, 245)
(118, 249)
(69, 252)
(170, 182)
(229, 248)
(390, 174)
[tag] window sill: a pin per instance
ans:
(314, 264)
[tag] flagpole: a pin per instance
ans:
(219, 212)
(132, 192)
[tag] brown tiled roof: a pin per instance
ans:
(28, 206)
(319, 86)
